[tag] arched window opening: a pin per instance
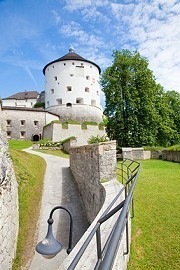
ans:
(36, 138)
(68, 104)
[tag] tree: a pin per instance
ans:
(134, 104)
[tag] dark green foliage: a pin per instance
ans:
(137, 107)
(39, 105)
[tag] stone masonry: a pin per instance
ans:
(90, 165)
(8, 207)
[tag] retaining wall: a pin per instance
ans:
(90, 165)
(8, 207)
(171, 155)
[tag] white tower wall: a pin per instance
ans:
(73, 90)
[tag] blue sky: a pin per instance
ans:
(36, 32)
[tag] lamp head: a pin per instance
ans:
(49, 246)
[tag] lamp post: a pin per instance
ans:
(49, 246)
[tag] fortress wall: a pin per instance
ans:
(9, 220)
(57, 133)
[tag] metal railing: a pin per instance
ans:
(128, 172)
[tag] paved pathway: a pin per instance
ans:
(59, 189)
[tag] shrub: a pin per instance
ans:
(97, 139)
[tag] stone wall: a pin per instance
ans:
(72, 142)
(8, 207)
(171, 155)
(26, 120)
(90, 165)
(56, 133)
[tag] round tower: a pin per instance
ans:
(72, 88)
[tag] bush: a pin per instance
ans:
(97, 139)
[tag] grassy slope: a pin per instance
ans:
(29, 170)
(155, 243)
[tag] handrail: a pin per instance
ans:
(107, 254)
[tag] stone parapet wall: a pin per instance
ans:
(56, 133)
(91, 164)
(8, 207)
(171, 155)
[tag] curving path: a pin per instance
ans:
(59, 189)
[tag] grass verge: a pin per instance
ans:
(29, 171)
(59, 153)
(155, 244)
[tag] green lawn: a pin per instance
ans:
(155, 227)
(59, 153)
(29, 170)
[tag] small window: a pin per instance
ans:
(8, 122)
(52, 91)
(93, 102)
(71, 75)
(98, 93)
(55, 78)
(15, 104)
(79, 100)
(22, 122)
(73, 63)
(90, 66)
(36, 123)
(64, 64)
(69, 88)
(87, 89)
(8, 134)
(68, 104)
(53, 66)
(31, 103)
(59, 101)
(82, 64)
(47, 103)
(87, 77)
(22, 134)
(58, 82)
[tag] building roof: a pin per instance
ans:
(24, 95)
(71, 55)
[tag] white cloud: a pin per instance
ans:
(154, 28)
(56, 16)
(74, 30)
(72, 5)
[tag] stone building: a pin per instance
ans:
(72, 92)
